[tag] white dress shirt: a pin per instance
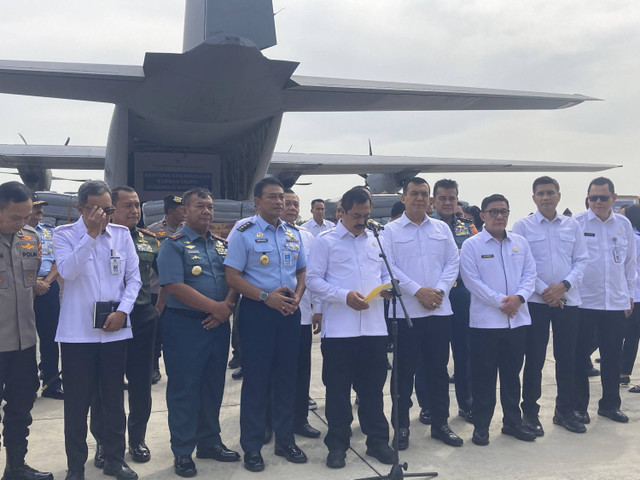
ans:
(492, 270)
(636, 295)
(340, 262)
(316, 229)
(424, 255)
(84, 264)
(559, 250)
(308, 304)
(610, 277)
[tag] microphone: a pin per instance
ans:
(373, 225)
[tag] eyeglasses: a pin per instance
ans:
(106, 210)
(602, 198)
(495, 212)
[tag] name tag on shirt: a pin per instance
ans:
(490, 255)
(587, 234)
(287, 259)
(115, 265)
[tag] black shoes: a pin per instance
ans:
(403, 438)
(466, 414)
(291, 453)
(306, 430)
(336, 459)
(74, 475)
(53, 392)
(520, 432)
(139, 452)
(532, 422)
(383, 453)
(444, 433)
(218, 452)
(253, 461)
(234, 362)
(120, 470)
(98, 458)
(425, 416)
(614, 414)
(593, 372)
(184, 467)
(25, 472)
(625, 380)
(237, 374)
(583, 417)
(155, 376)
(569, 422)
(312, 404)
(480, 436)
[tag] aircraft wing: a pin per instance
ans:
(287, 164)
(73, 81)
(315, 94)
(52, 156)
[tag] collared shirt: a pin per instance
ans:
(45, 232)
(19, 263)
(340, 262)
(239, 223)
(268, 257)
(189, 258)
(560, 252)
(461, 228)
(162, 230)
(493, 270)
(610, 277)
(636, 295)
(85, 264)
(424, 255)
(147, 245)
(317, 229)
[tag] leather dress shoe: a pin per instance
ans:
(25, 472)
(53, 392)
(312, 404)
(444, 433)
(569, 422)
(614, 414)
(520, 432)
(218, 452)
(425, 416)
(291, 453)
(466, 414)
(234, 362)
(383, 453)
(480, 436)
(268, 433)
(336, 459)
(74, 475)
(184, 467)
(593, 372)
(139, 452)
(155, 376)
(452, 379)
(98, 458)
(583, 417)
(403, 438)
(120, 470)
(532, 422)
(306, 430)
(624, 380)
(237, 374)
(253, 461)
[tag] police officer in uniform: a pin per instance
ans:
(144, 321)
(266, 264)
(195, 325)
(46, 305)
(19, 263)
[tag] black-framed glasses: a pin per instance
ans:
(494, 212)
(602, 198)
(106, 210)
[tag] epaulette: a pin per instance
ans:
(464, 220)
(224, 240)
(295, 227)
(176, 236)
(243, 227)
(144, 230)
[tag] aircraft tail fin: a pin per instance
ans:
(250, 19)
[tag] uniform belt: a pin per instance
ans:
(188, 313)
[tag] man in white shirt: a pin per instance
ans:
(318, 224)
(561, 255)
(607, 297)
(426, 260)
(498, 269)
(344, 265)
(98, 263)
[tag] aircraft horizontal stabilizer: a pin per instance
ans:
(316, 94)
(52, 156)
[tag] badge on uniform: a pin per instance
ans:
(490, 255)
(287, 260)
(144, 247)
(515, 249)
(115, 263)
(197, 270)
(190, 247)
(264, 260)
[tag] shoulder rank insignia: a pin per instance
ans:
(176, 236)
(148, 232)
(244, 226)
(292, 226)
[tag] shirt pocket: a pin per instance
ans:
(437, 244)
(341, 265)
(4, 275)
(565, 243)
(29, 271)
(539, 247)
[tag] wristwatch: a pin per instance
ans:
(521, 298)
(264, 296)
(566, 284)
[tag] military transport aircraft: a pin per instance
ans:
(211, 115)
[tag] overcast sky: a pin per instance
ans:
(559, 46)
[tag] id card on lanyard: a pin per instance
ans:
(115, 263)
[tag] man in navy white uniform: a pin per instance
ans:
(561, 255)
(344, 266)
(426, 259)
(607, 297)
(317, 224)
(98, 263)
(498, 269)
(266, 264)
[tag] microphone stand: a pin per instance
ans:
(397, 469)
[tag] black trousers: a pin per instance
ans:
(47, 310)
(18, 386)
(90, 368)
(631, 339)
(493, 351)
(427, 341)
(565, 334)
(610, 326)
(140, 351)
(157, 345)
(460, 301)
(360, 362)
(303, 379)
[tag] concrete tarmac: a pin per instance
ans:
(608, 450)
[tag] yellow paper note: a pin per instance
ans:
(376, 291)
